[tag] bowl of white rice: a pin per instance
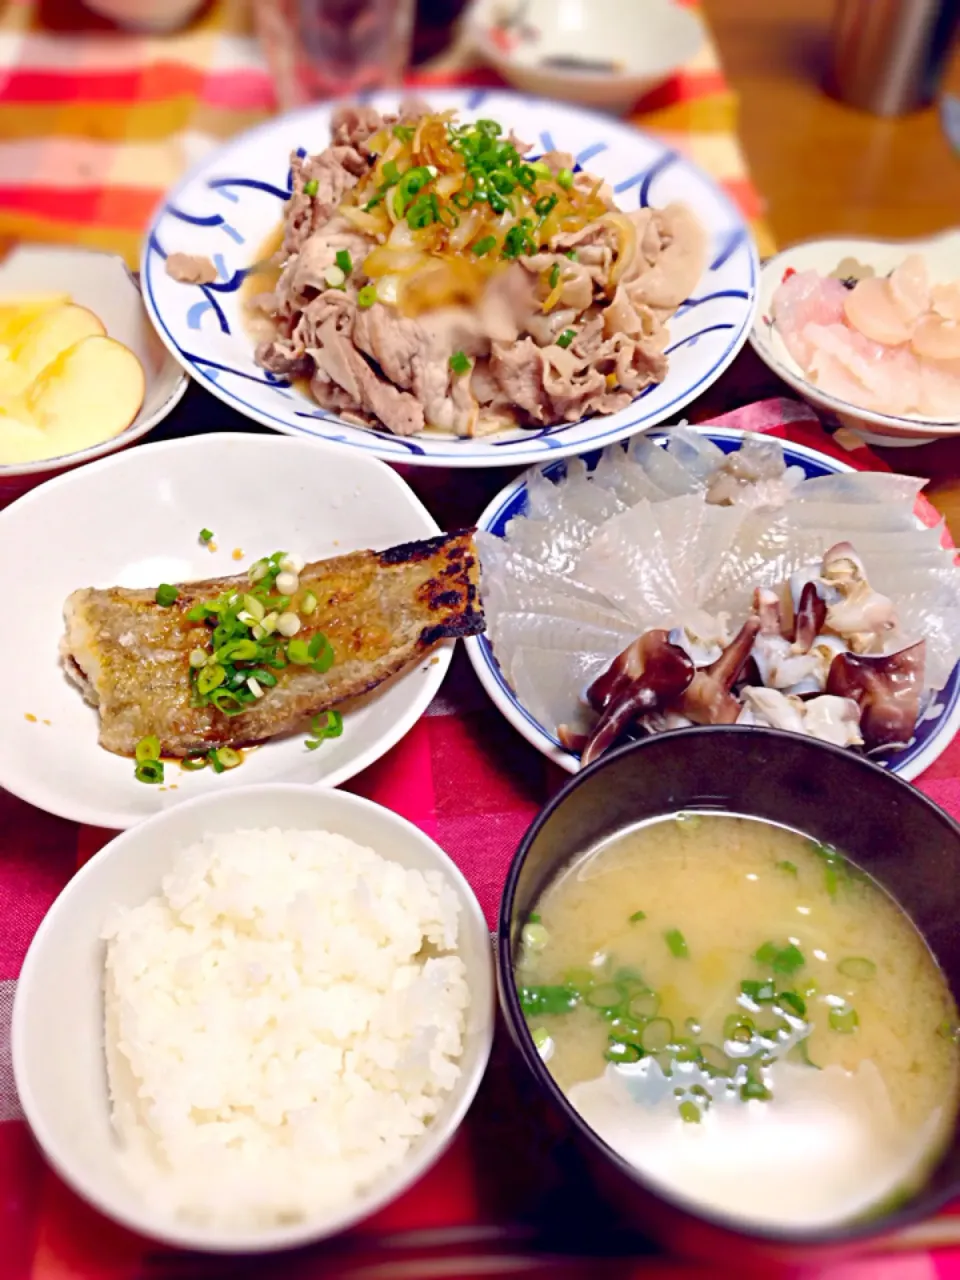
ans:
(255, 1018)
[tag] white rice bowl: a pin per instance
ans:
(282, 1023)
(253, 1111)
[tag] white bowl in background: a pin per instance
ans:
(942, 255)
(58, 1014)
(103, 283)
(601, 53)
(133, 520)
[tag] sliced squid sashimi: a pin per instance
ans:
(575, 492)
(940, 389)
(806, 298)
(849, 487)
(871, 308)
(900, 580)
(501, 564)
(936, 338)
(919, 618)
(763, 554)
(665, 471)
(555, 543)
(629, 562)
(695, 453)
(509, 597)
(551, 683)
(626, 478)
(513, 631)
(909, 288)
(874, 517)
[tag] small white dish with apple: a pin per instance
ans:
(81, 371)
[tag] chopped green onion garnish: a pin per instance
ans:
(321, 653)
(344, 261)
(147, 749)
(759, 992)
(192, 764)
(738, 1028)
(547, 1000)
(227, 757)
(566, 337)
(857, 967)
(780, 959)
(206, 535)
(637, 915)
(677, 943)
(330, 727)
(794, 1003)
(617, 1051)
(606, 996)
(844, 1020)
(545, 204)
(645, 1004)
(554, 275)
(565, 179)
(541, 1038)
(310, 187)
(367, 296)
(211, 678)
(404, 132)
(460, 363)
(789, 867)
(572, 255)
(229, 703)
(657, 1034)
(298, 651)
(754, 1089)
(535, 937)
(166, 595)
(484, 245)
(149, 771)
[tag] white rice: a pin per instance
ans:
(282, 1022)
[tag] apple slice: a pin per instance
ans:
(17, 312)
(21, 439)
(88, 394)
(47, 335)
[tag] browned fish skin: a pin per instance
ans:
(381, 612)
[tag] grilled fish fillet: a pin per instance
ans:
(381, 612)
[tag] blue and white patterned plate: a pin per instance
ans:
(226, 208)
(938, 723)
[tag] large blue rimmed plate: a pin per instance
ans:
(938, 724)
(226, 208)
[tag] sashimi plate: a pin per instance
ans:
(940, 714)
(230, 204)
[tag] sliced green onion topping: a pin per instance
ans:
(857, 967)
(677, 944)
(228, 757)
(147, 749)
(367, 296)
(565, 179)
(484, 245)
(554, 275)
(759, 992)
(327, 725)
(657, 1034)
(645, 1004)
(460, 363)
(790, 868)
(637, 915)
(566, 337)
(786, 959)
(192, 764)
(166, 594)
(150, 771)
(844, 1020)
(310, 187)
(206, 535)
(617, 1051)
(606, 996)
(572, 255)
(344, 261)
(545, 205)
(404, 132)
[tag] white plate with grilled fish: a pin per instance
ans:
(677, 582)
(221, 601)
(440, 295)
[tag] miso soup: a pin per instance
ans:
(745, 1017)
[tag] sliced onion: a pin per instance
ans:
(442, 282)
(370, 223)
(627, 245)
(385, 260)
(388, 289)
(470, 224)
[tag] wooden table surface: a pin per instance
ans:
(824, 167)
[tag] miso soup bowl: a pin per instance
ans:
(903, 840)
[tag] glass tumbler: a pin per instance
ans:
(334, 48)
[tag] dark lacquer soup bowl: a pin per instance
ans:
(909, 846)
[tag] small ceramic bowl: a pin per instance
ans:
(58, 1015)
(103, 283)
(602, 53)
(902, 839)
(942, 255)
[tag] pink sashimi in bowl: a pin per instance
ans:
(869, 331)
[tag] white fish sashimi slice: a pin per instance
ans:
(556, 543)
(501, 564)
(874, 517)
(664, 470)
(695, 452)
(940, 628)
(514, 631)
(803, 297)
(509, 598)
(629, 562)
(625, 478)
(549, 684)
(859, 487)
